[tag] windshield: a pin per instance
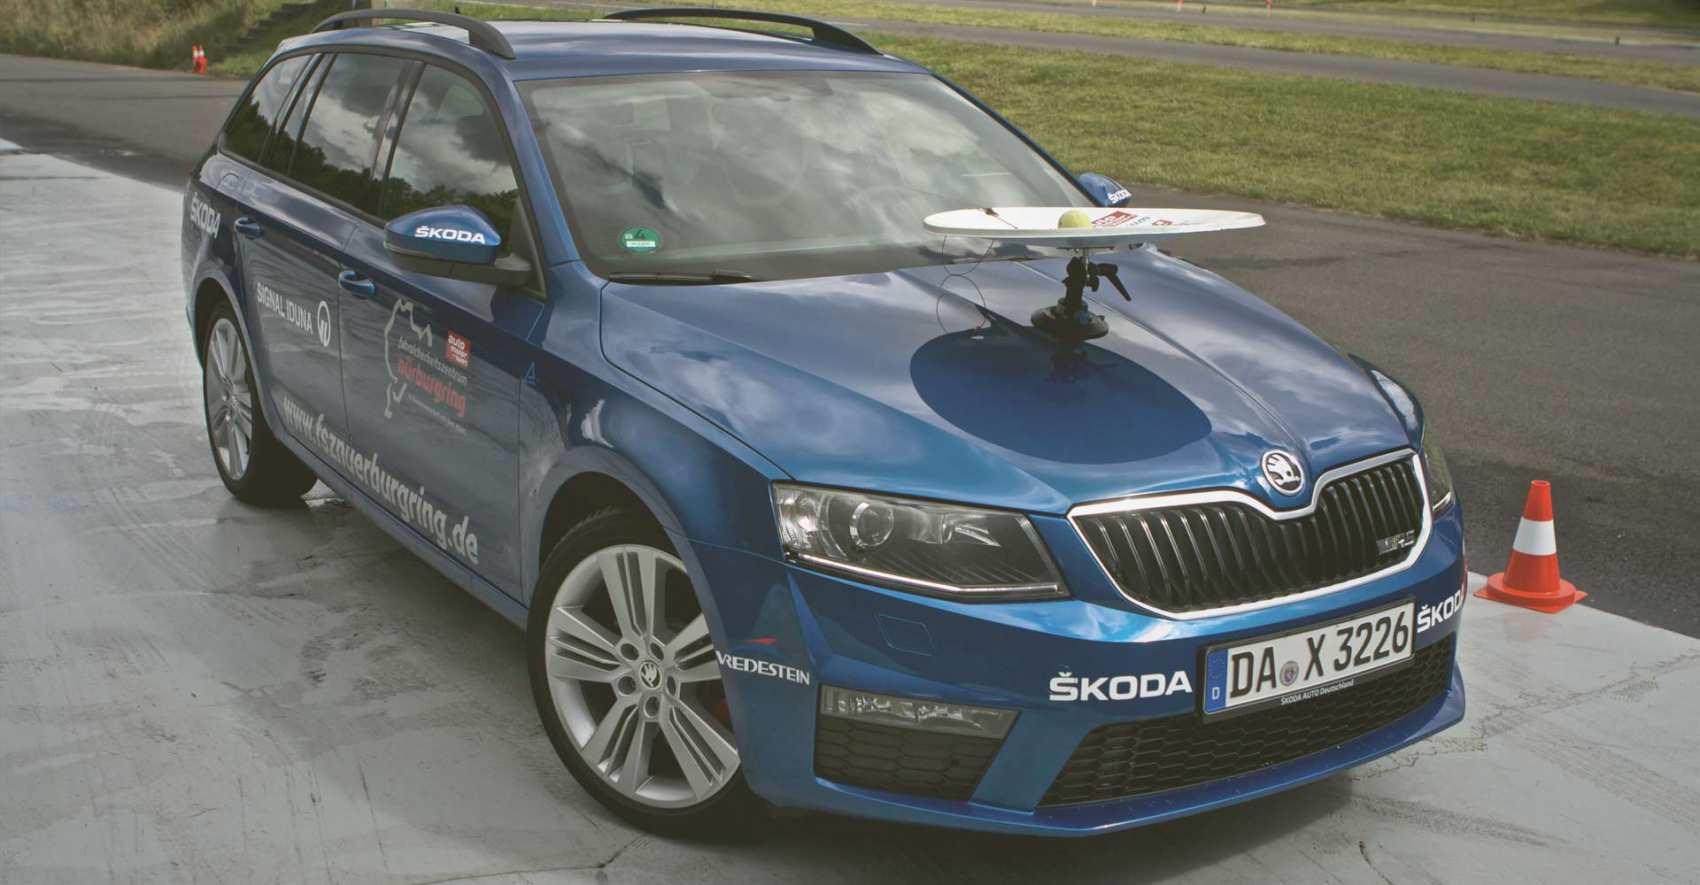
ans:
(779, 174)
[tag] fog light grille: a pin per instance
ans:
(901, 760)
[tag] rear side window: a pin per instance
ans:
(334, 155)
(282, 148)
(451, 150)
(245, 135)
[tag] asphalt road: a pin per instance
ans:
(1535, 361)
(1298, 21)
(1481, 81)
(194, 690)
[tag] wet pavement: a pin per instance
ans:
(193, 689)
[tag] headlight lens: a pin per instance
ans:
(1437, 474)
(920, 546)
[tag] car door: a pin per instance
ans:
(432, 366)
(315, 185)
(285, 242)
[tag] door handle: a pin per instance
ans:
(248, 227)
(356, 285)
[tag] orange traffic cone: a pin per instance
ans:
(198, 57)
(1531, 579)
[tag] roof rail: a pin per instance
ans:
(479, 33)
(823, 33)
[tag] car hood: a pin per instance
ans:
(931, 382)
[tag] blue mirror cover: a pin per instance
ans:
(1106, 190)
(446, 233)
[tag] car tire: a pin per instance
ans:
(254, 466)
(622, 708)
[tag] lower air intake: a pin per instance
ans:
(901, 760)
(1136, 758)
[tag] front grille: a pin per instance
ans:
(1135, 758)
(901, 760)
(1194, 557)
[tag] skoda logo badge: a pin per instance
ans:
(650, 673)
(1283, 472)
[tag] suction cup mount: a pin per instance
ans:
(1088, 231)
(1069, 320)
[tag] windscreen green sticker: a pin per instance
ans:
(640, 239)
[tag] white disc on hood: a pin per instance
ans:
(1092, 227)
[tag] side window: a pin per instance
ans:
(282, 148)
(340, 136)
(245, 135)
(450, 150)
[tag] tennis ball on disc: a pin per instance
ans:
(1074, 218)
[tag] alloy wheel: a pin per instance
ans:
(633, 676)
(229, 398)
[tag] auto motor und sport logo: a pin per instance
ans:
(1121, 217)
(457, 350)
(1283, 472)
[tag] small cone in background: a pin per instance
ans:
(1531, 579)
(199, 57)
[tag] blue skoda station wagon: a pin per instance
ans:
(632, 329)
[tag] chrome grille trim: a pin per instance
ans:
(1270, 561)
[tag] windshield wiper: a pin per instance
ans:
(684, 279)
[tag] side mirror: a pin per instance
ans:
(1105, 190)
(456, 242)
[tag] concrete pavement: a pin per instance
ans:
(192, 689)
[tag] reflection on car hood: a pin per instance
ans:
(930, 382)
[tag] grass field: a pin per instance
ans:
(1518, 168)
(1633, 72)
(1648, 13)
(149, 33)
(1671, 15)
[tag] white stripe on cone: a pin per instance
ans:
(1535, 538)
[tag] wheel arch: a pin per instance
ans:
(578, 497)
(209, 293)
(212, 287)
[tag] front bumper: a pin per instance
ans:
(827, 630)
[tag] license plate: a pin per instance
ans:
(1307, 663)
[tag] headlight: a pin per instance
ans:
(1400, 398)
(1436, 474)
(937, 549)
